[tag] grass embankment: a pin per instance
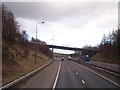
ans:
(15, 69)
(102, 58)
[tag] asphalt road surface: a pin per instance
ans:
(45, 78)
(74, 75)
(71, 75)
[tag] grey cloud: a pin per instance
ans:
(42, 10)
(75, 15)
(57, 10)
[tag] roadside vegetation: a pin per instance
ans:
(18, 53)
(109, 48)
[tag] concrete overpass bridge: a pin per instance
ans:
(71, 48)
(79, 52)
(64, 47)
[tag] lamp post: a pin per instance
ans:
(53, 44)
(36, 41)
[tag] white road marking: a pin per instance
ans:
(101, 76)
(83, 81)
(56, 79)
(76, 73)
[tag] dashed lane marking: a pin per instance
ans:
(77, 73)
(83, 81)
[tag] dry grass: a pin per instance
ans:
(101, 58)
(12, 71)
(0, 74)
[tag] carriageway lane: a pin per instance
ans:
(74, 75)
(44, 78)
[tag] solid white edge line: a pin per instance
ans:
(100, 75)
(56, 79)
(25, 76)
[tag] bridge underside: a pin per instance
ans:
(65, 48)
(71, 48)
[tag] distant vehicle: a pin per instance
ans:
(62, 59)
(69, 58)
(86, 57)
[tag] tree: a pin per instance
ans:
(24, 42)
(33, 39)
(10, 27)
(104, 39)
(24, 36)
(10, 33)
(110, 46)
(117, 44)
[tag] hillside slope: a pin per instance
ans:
(20, 65)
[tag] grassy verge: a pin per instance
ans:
(14, 70)
(101, 58)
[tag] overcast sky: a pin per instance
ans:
(72, 24)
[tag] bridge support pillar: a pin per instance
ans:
(52, 53)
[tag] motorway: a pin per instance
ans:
(71, 75)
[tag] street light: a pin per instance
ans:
(53, 44)
(36, 41)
